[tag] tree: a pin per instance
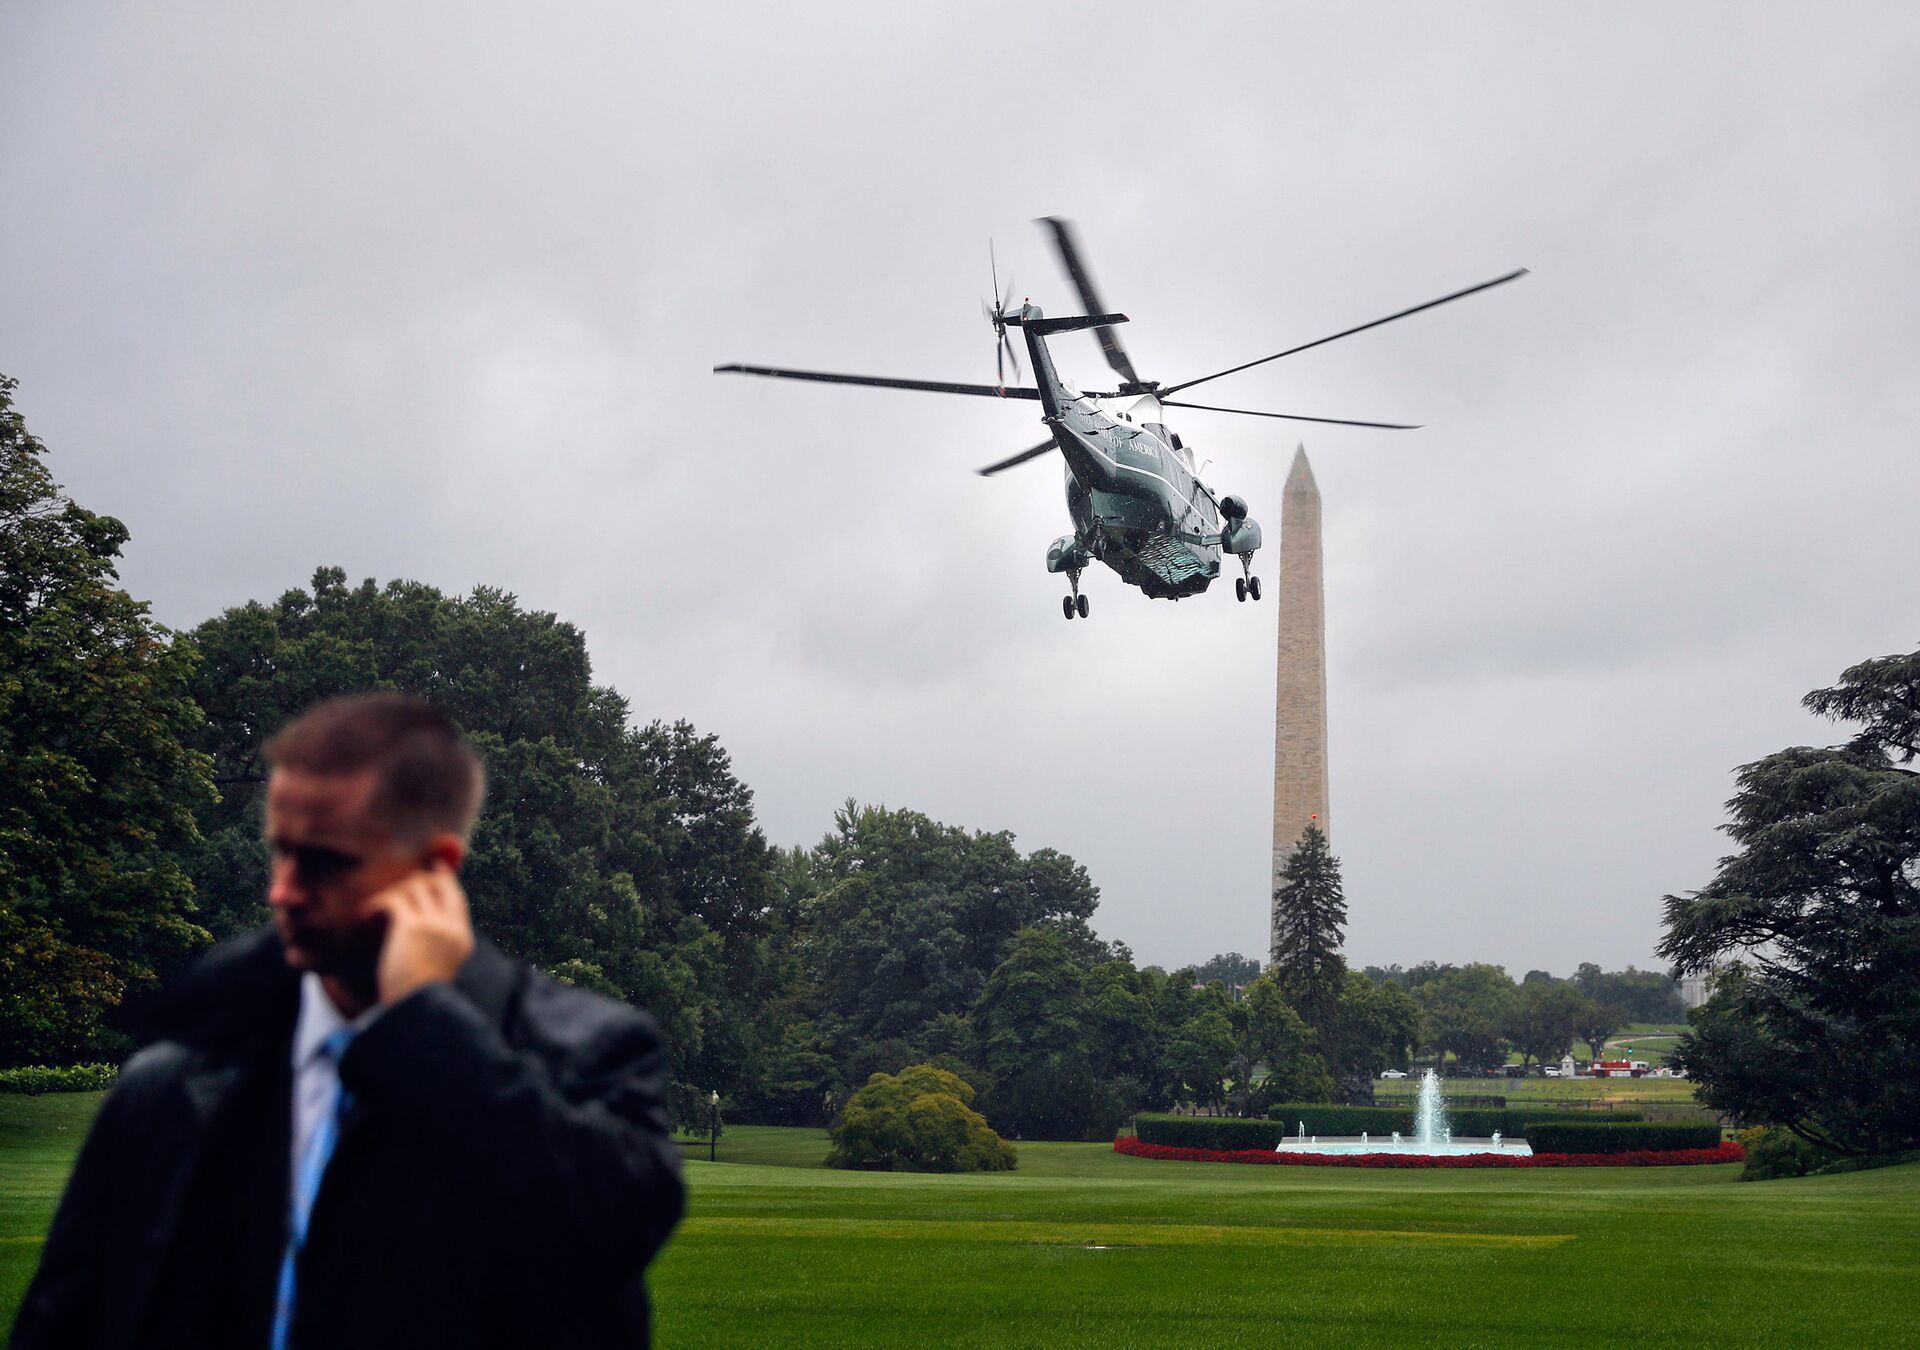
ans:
(1594, 1022)
(1544, 1019)
(98, 788)
(1641, 995)
(1466, 1010)
(1883, 695)
(1816, 919)
(1039, 1038)
(1199, 1051)
(1309, 924)
(1230, 968)
(1269, 1033)
(1374, 1027)
(624, 859)
(907, 918)
(919, 1121)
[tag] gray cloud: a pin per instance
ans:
(435, 292)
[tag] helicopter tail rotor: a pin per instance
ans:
(996, 312)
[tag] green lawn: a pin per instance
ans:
(1082, 1247)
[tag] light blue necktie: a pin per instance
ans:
(306, 1186)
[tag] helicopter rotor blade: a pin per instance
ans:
(1349, 332)
(1064, 240)
(1294, 417)
(879, 381)
(1032, 452)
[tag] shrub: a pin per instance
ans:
(920, 1120)
(1774, 1151)
(35, 1079)
(1621, 1138)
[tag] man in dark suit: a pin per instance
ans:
(367, 1126)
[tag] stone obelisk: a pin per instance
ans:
(1300, 690)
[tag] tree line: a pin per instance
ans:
(625, 857)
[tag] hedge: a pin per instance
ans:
(1621, 1138)
(1209, 1132)
(1325, 1118)
(35, 1079)
(1514, 1122)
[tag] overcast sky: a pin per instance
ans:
(434, 291)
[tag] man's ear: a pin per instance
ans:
(446, 850)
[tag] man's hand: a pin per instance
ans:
(429, 933)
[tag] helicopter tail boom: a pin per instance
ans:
(1043, 327)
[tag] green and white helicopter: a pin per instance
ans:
(1136, 502)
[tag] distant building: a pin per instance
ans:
(1694, 989)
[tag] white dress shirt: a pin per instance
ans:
(315, 1077)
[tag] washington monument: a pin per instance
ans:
(1300, 690)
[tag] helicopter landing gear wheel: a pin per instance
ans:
(1080, 603)
(1253, 587)
(1076, 602)
(1240, 589)
(1066, 605)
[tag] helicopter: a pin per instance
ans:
(1136, 502)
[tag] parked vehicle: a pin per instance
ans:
(1620, 1068)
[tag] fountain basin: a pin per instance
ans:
(1513, 1148)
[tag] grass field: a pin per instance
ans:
(1081, 1247)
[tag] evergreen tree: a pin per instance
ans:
(1310, 923)
(1814, 929)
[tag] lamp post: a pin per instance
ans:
(713, 1126)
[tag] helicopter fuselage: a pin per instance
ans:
(1137, 504)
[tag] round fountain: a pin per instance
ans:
(1432, 1135)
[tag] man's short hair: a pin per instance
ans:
(430, 778)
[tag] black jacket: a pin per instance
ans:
(502, 1179)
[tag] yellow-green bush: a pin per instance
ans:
(919, 1120)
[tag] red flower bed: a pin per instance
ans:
(1685, 1157)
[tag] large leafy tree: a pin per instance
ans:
(907, 917)
(97, 786)
(621, 858)
(1270, 1036)
(1309, 925)
(1373, 1027)
(1595, 1022)
(1039, 1034)
(1230, 968)
(1640, 995)
(1815, 1022)
(1200, 1051)
(1544, 1018)
(1467, 1010)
